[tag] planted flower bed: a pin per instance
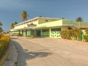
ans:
(4, 44)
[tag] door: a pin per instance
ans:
(38, 33)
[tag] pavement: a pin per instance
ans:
(12, 58)
(49, 52)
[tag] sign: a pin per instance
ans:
(31, 25)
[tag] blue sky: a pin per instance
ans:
(10, 10)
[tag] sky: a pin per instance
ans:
(10, 10)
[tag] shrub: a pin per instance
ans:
(77, 33)
(86, 35)
(86, 38)
(68, 34)
(4, 43)
(86, 31)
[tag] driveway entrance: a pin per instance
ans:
(51, 52)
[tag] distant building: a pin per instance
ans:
(46, 27)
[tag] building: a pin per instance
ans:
(46, 27)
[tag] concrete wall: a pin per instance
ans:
(49, 24)
(56, 33)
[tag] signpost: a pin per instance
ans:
(31, 25)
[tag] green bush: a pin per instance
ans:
(4, 43)
(68, 34)
(86, 35)
(86, 38)
(86, 31)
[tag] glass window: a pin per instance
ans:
(45, 30)
(69, 28)
(56, 29)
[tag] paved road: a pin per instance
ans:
(51, 52)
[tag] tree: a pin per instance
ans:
(15, 23)
(63, 18)
(24, 15)
(1, 30)
(12, 26)
(40, 16)
(1, 24)
(79, 19)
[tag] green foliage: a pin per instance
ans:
(86, 38)
(68, 34)
(1, 30)
(79, 19)
(77, 32)
(4, 43)
(86, 35)
(24, 15)
(13, 24)
(86, 31)
(1, 24)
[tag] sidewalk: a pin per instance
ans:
(12, 58)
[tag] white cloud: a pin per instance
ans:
(13, 4)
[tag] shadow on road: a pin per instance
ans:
(24, 54)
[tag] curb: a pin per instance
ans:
(5, 55)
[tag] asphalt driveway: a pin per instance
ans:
(50, 52)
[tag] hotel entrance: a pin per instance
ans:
(38, 33)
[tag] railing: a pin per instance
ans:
(80, 24)
(69, 22)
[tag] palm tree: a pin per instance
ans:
(24, 15)
(15, 23)
(79, 19)
(12, 26)
(63, 18)
(1, 29)
(1, 24)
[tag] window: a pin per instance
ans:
(45, 30)
(56, 29)
(69, 28)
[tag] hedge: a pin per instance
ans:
(77, 34)
(4, 43)
(68, 34)
(86, 35)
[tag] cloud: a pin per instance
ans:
(13, 4)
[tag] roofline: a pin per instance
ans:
(36, 18)
(26, 21)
